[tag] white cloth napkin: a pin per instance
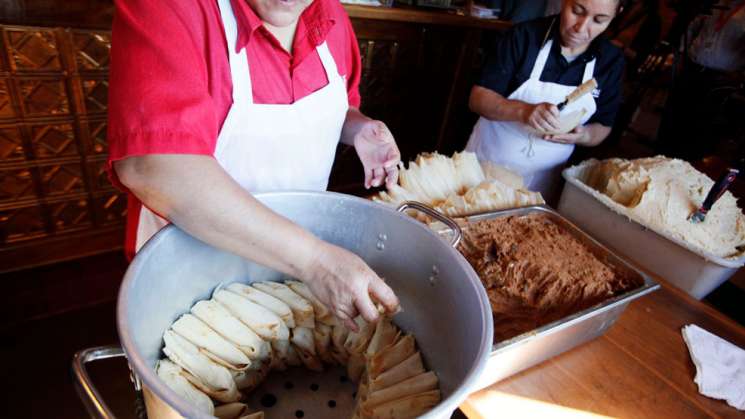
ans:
(720, 366)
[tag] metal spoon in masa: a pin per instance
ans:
(716, 191)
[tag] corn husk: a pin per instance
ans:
(385, 334)
(249, 380)
(403, 408)
(226, 396)
(185, 354)
(362, 392)
(410, 367)
(355, 366)
(357, 342)
(391, 356)
(304, 343)
(265, 300)
(321, 312)
(302, 337)
(302, 309)
(277, 363)
(261, 320)
(171, 374)
(293, 357)
(339, 335)
(458, 186)
(322, 339)
(215, 346)
(418, 384)
(282, 349)
(219, 319)
(310, 361)
(231, 411)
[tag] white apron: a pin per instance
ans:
(512, 145)
(272, 147)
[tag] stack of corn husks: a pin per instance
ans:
(458, 186)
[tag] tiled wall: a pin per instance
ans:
(53, 94)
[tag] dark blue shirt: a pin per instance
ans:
(509, 65)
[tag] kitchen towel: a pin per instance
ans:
(720, 366)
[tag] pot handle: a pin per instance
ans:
(86, 390)
(457, 233)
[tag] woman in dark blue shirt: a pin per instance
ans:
(533, 68)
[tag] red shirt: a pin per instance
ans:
(170, 83)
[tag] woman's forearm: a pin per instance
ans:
(207, 203)
(491, 105)
(596, 134)
(352, 125)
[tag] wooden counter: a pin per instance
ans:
(639, 368)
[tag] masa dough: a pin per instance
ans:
(661, 193)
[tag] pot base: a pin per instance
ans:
(301, 393)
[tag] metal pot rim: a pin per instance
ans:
(148, 377)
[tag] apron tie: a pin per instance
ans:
(528, 149)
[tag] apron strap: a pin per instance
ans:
(589, 70)
(540, 61)
(241, 78)
(328, 61)
(542, 57)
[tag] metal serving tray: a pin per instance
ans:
(530, 348)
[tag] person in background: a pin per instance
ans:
(712, 68)
(213, 100)
(639, 30)
(534, 67)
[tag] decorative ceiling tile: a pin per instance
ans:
(44, 97)
(16, 184)
(54, 140)
(113, 208)
(21, 224)
(97, 130)
(6, 104)
(100, 176)
(70, 215)
(61, 179)
(11, 144)
(92, 50)
(96, 95)
(33, 50)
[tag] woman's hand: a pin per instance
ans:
(343, 282)
(542, 117)
(579, 135)
(378, 152)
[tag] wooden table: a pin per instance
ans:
(639, 368)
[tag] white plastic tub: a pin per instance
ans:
(695, 272)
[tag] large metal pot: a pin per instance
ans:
(445, 305)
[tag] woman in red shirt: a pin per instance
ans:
(211, 100)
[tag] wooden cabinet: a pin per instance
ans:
(55, 200)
